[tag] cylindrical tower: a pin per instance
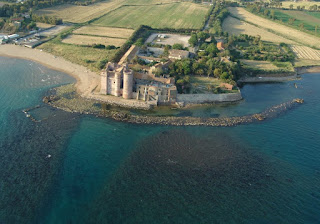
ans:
(117, 80)
(103, 83)
(127, 84)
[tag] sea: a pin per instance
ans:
(72, 168)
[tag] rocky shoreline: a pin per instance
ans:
(65, 98)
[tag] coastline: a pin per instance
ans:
(86, 80)
(278, 77)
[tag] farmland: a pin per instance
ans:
(235, 26)
(303, 52)
(80, 14)
(104, 31)
(309, 20)
(306, 4)
(279, 29)
(176, 15)
(90, 40)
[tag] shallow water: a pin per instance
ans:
(102, 171)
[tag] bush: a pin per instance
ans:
(99, 46)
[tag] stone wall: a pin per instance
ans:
(308, 69)
(184, 99)
(266, 79)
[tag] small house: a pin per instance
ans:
(178, 54)
(226, 86)
(220, 46)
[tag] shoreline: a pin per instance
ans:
(86, 80)
(262, 78)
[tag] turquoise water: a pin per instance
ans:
(102, 171)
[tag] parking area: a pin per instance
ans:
(168, 39)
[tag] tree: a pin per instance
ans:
(301, 26)
(177, 46)
(193, 41)
(272, 14)
(212, 49)
(224, 76)
(217, 72)
(202, 36)
(291, 21)
(291, 6)
(139, 42)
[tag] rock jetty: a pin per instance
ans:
(77, 104)
(270, 113)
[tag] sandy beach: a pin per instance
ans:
(86, 79)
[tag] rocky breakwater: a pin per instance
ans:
(67, 99)
(215, 122)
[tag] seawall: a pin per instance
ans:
(190, 99)
(267, 79)
(308, 69)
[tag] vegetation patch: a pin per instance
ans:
(202, 84)
(176, 15)
(44, 25)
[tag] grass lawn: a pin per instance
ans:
(175, 15)
(86, 56)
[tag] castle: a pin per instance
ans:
(117, 80)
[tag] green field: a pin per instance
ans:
(314, 14)
(309, 19)
(86, 56)
(176, 15)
